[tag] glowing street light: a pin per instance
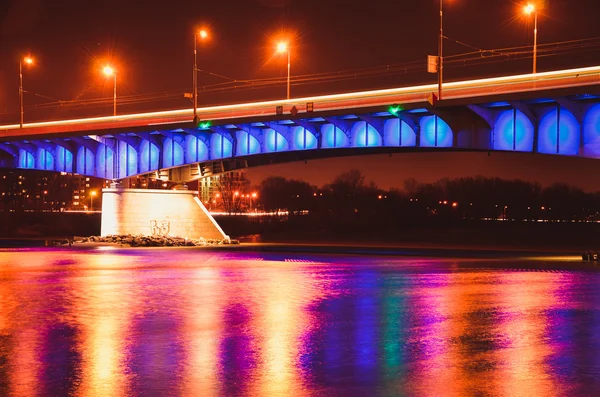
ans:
(28, 61)
(440, 57)
(203, 35)
(529, 9)
(110, 71)
(281, 48)
(92, 195)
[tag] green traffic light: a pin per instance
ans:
(395, 109)
(204, 124)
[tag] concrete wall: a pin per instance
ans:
(149, 211)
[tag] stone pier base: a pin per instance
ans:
(157, 212)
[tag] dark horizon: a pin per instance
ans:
(390, 171)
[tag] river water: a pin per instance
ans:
(189, 322)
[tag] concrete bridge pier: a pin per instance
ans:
(157, 212)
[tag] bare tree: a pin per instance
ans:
(231, 186)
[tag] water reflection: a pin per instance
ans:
(186, 322)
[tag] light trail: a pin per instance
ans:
(587, 76)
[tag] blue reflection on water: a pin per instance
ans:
(131, 322)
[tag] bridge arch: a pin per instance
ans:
(148, 156)
(85, 161)
(105, 162)
(220, 146)
(513, 131)
(247, 143)
(64, 159)
(274, 141)
(196, 149)
(558, 132)
(434, 132)
(303, 139)
(397, 132)
(173, 153)
(127, 163)
(333, 137)
(26, 159)
(365, 135)
(591, 131)
(44, 160)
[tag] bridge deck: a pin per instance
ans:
(547, 81)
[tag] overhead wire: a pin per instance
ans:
(471, 58)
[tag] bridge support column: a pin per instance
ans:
(164, 212)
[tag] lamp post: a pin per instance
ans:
(110, 71)
(281, 48)
(28, 61)
(203, 35)
(530, 8)
(440, 47)
(253, 196)
(92, 195)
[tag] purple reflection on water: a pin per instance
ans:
(191, 322)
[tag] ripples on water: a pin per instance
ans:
(190, 323)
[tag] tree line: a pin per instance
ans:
(351, 195)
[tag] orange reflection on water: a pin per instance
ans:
(482, 331)
(437, 302)
(524, 297)
(280, 321)
(103, 307)
(19, 309)
(203, 329)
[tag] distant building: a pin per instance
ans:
(33, 190)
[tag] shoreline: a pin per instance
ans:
(349, 247)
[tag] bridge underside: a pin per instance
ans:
(559, 123)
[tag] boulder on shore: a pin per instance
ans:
(155, 241)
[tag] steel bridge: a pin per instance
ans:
(550, 113)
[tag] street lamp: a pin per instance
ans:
(92, 195)
(281, 48)
(253, 196)
(203, 35)
(110, 71)
(530, 8)
(28, 61)
(440, 45)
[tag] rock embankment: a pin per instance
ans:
(154, 241)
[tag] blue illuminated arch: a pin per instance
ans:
(591, 131)
(365, 135)
(196, 149)
(274, 141)
(559, 133)
(333, 137)
(85, 161)
(303, 139)
(128, 160)
(435, 132)
(172, 153)
(44, 160)
(64, 160)
(513, 131)
(26, 159)
(105, 162)
(246, 144)
(397, 132)
(148, 156)
(220, 147)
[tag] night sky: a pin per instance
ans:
(151, 45)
